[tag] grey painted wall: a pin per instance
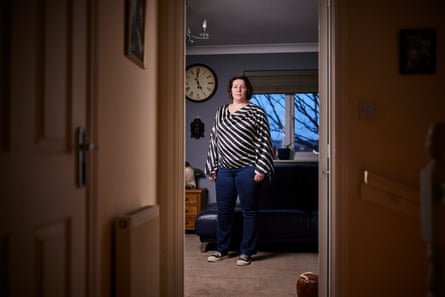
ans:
(225, 67)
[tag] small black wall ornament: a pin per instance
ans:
(197, 128)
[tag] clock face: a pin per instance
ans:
(200, 83)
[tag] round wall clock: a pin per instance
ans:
(200, 82)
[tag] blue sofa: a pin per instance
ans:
(288, 211)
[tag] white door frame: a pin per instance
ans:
(325, 172)
(333, 150)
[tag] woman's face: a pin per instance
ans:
(239, 90)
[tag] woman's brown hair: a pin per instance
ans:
(246, 81)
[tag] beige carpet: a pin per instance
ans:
(271, 274)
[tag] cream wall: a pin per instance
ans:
(382, 253)
(126, 97)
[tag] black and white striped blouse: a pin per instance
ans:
(240, 139)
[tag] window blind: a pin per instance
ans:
(283, 81)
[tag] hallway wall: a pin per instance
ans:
(382, 252)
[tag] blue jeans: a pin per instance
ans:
(231, 183)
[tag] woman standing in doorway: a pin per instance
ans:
(238, 160)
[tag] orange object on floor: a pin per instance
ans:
(307, 285)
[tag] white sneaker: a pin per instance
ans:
(244, 260)
(216, 257)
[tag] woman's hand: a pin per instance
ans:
(212, 177)
(259, 177)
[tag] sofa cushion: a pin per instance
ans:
(291, 187)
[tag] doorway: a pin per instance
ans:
(326, 218)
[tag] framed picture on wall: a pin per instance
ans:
(417, 51)
(135, 31)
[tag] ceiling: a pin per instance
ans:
(259, 26)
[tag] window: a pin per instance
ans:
(293, 119)
(291, 101)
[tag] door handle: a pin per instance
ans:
(82, 148)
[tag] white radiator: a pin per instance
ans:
(137, 253)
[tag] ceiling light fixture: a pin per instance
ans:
(203, 35)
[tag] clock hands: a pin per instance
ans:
(198, 84)
(197, 79)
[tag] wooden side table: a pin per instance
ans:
(195, 201)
